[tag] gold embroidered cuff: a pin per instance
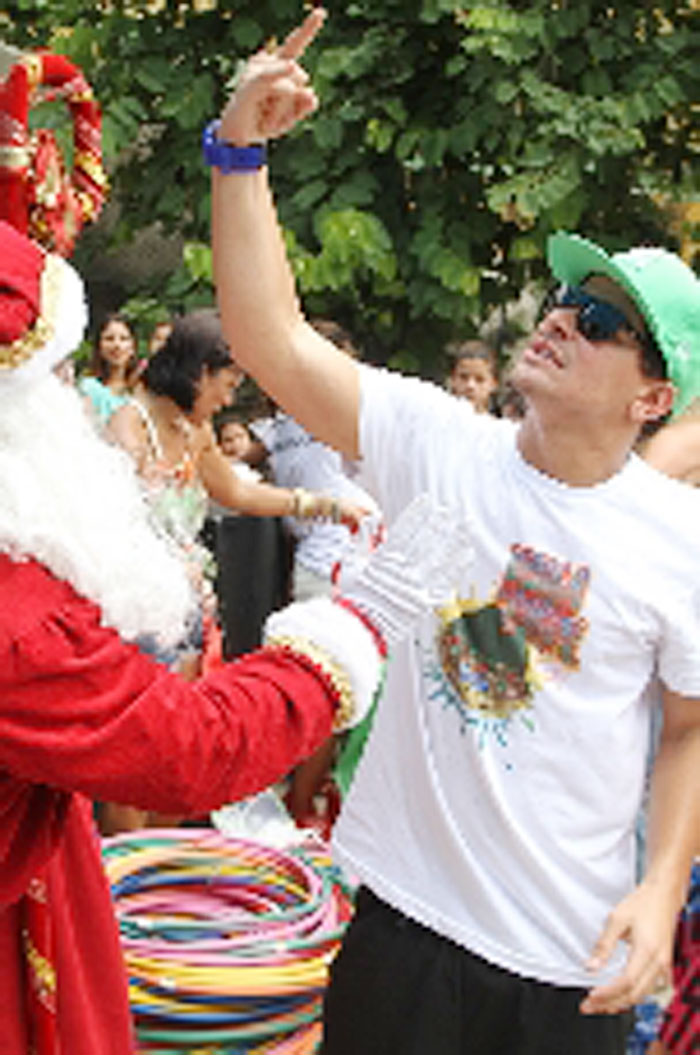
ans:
(334, 672)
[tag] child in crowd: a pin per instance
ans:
(473, 375)
(236, 441)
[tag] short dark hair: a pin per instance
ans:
(230, 416)
(195, 344)
(653, 366)
(471, 349)
(652, 359)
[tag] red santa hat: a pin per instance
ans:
(43, 314)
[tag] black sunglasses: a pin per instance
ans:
(596, 319)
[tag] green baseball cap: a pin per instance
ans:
(665, 290)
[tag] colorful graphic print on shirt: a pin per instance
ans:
(492, 654)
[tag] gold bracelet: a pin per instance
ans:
(303, 504)
(309, 506)
(329, 508)
(322, 506)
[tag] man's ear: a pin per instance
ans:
(655, 400)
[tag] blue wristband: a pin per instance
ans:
(228, 158)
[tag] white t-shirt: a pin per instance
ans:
(299, 460)
(496, 798)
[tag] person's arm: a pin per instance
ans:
(126, 428)
(260, 313)
(646, 919)
(261, 499)
(675, 450)
(80, 710)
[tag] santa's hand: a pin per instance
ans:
(426, 553)
(646, 920)
(417, 567)
(273, 92)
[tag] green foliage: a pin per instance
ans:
(450, 142)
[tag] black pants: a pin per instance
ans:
(397, 988)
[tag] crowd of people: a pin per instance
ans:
(539, 604)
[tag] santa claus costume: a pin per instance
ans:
(84, 714)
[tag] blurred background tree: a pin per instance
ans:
(450, 142)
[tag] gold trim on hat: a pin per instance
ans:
(34, 65)
(43, 330)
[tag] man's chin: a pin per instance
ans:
(522, 377)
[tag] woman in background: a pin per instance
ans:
(166, 427)
(113, 369)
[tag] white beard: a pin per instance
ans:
(74, 503)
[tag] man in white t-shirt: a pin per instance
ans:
(491, 822)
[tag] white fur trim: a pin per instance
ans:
(74, 503)
(338, 633)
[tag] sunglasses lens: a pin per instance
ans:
(594, 323)
(596, 320)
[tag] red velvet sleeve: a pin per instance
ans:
(81, 710)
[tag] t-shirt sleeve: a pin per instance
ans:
(679, 650)
(81, 710)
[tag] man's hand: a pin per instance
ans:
(273, 92)
(646, 919)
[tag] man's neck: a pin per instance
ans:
(578, 457)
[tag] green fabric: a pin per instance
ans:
(353, 746)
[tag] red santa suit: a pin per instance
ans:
(84, 715)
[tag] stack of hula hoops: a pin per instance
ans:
(227, 941)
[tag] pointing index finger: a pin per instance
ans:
(294, 46)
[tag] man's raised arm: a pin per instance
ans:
(260, 311)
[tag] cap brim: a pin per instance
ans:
(572, 258)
